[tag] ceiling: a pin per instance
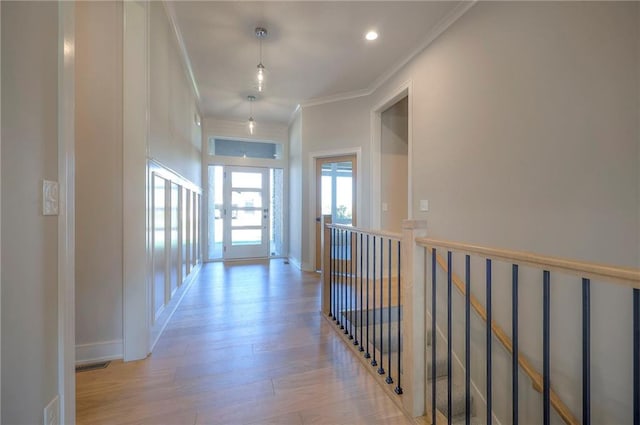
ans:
(315, 50)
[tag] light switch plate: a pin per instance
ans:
(50, 197)
(424, 205)
(385, 206)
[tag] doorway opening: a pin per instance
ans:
(391, 198)
(335, 194)
(245, 214)
(394, 159)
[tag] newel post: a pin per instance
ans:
(326, 262)
(413, 292)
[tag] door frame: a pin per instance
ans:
(227, 193)
(404, 90)
(66, 217)
(318, 212)
(311, 213)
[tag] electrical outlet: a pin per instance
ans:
(424, 205)
(52, 412)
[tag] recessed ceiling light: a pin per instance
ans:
(371, 35)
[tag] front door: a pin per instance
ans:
(246, 212)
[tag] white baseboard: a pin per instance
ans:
(306, 267)
(99, 351)
(295, 263)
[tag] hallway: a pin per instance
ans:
(246, 346)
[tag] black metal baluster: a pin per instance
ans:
(353, 293)
(489, 336)
(333, 272)
(546, 333)
(467, 339)
(636, 356)
(389, 379)
(449, 338)
(336, 283)
(586, 351)
(344, 284)
(366, 353)
(354, 277)
(380, 367)
(398, 389)
(340, 238)
(350, 287)
(433, 335)
(373, 361)
(514, 334)
(361, 304)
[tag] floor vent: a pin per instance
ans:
(92, 366)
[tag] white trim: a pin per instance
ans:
(215, 127)
(186, 62)
(0, 219)
(294, 262)
(436, 32)
(293, 115)
(66, 217)
(99, 351)
(337, 97)
(167, 310)
(156, 167)
(305, 267)
(442, 25)
(404, 90)
(135, 329)
(311, 214)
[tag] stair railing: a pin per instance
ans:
(432, 260)
(361, 295)
(349, 300)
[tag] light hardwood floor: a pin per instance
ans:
(246, 346)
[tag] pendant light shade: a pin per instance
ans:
(251, 123)
(261, 33)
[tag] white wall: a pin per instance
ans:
(99, 179)
(526, 136)
(174, 138)
(265, 132)
(135, 100)
(336, 127)
(175, 151)
(394, 159)
(296, 190)
(29, 242)
(563, 94)
(528, 139)
(174, 142)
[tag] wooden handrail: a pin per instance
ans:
(529, 370)
(381, 233)
(622, 275)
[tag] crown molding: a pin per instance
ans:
(186, 62)
(336, 97)
(444, 24)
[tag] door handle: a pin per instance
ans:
(318, 219)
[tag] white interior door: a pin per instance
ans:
(246, 212)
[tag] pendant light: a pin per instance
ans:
(261, 33)
(251, 122)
